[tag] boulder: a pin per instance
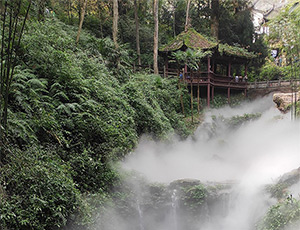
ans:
(184, 183)
(284, 100)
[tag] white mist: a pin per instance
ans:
(252, 155)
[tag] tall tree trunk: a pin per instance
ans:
(215, 18)
(174, 20)
(81, 20)
(187, 18)
(115, 22)
(137, 31)
(155, 46)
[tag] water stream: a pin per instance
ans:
(174, 207)
(230, 160)
(140, 215)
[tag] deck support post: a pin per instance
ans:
(198, 97)
(228, 95)
(181, 98)
(245, 92)
(192, 107)
(208, 95)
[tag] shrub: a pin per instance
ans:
(270, 71)
(40, 192)
(281, 215)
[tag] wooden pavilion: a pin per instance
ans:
(215, 70)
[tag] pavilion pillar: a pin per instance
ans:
(208, 64)
(208, 95)
(229, 69)
(245, 93)
(212, 92)
(228, 95)
(213, 65)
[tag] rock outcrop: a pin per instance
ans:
(284, 100)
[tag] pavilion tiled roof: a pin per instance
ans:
(234, 51)
(194, 40)
(191, 39)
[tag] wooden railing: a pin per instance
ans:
(213, 79)
(163, 72)
(220, 80)
(273, 84)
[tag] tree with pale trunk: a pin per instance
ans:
(137, 30)
(215, 5)
(115, 22)
(187, 18)
(155, 46)
(81, 20)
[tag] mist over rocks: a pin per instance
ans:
(184, 183)
(284, 100)
(228, 163)
(185, 204)
(291, 177)
(287, 185)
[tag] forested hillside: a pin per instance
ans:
(77, 94)
(70, 115)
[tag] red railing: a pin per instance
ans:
(213, 79)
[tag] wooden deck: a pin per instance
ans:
(212, 79)
(221, 81)
(273, 84)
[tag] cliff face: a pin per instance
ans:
(284, 100)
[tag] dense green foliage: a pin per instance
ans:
(74, 110)
(71, 114)
(284, 37)
(281, 215)
(38, 191)
(234, 16)
(193, 198)
(270, 71)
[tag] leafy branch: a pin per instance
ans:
(191, 57)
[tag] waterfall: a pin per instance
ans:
(247, 206)
(174, 207)
(230, 159)
(140, 212)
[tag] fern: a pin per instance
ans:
(61, 96)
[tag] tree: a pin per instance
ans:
(215, 18)
(284, 33)
(115, 22)
(13, 25)
(81, 20)
(187, 18)
(137, 32)
(155, 46)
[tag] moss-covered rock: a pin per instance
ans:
(284, 100)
